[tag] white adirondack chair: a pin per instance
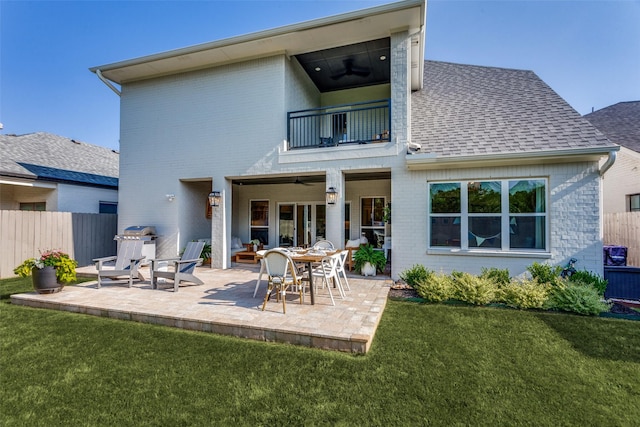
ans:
(126, 263)
(182, 269)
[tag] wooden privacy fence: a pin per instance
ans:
(83, 236)
(623, 229)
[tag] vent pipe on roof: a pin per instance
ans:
(107, 82)
(610, 161)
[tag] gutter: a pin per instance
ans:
(107, 82)
(613, 154)
(424, 161)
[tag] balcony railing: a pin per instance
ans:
(359, 123)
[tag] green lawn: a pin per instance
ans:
(429, 365)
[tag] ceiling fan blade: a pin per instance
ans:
(350, 70)
(338, 75)
(361, 72)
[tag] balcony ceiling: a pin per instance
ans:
(336, 38)
(346, 67)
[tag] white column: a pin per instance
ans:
(335, 213)
(220, 227)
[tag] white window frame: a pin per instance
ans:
(260, 227)
(504, 215)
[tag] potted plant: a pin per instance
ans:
(206, 253)
(50, 272)
(255, 243)
(367, 260)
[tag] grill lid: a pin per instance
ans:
(140, 230)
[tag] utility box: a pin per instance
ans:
(615, 255)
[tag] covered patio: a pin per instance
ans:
(225, 305)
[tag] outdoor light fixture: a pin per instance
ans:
(332, 196)
(170, 197)
(214, 198)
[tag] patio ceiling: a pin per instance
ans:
(310, 179)
(346, 67)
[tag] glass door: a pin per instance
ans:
(286, 225)
(372, 220)
(301, 224)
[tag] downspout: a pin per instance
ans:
(107, 82)
(610, 161)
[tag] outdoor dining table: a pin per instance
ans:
(308, 258)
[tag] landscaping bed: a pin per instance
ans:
(619, 309)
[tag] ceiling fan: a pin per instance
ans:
(350, 70)
(297, 181)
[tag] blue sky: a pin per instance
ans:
(587, 51)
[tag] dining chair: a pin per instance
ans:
(342, 260)
(281, 275)
(324, 245)
(328, 272)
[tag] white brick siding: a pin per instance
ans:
(573, 212)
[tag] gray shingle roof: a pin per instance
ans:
(468, 110)
(51, 157)
(620, 123)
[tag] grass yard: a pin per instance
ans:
(429, 365)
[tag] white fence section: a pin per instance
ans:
(83, 236)
(623, 229)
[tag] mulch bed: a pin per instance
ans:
(400, 290)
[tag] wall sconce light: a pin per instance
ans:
(171, 197)
(214, 198)
(332, 196)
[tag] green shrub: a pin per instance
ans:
(415, 275)
(499, 276)
(545, 273)
(590, 279)
(473, 289)
(577, 298)
(524, 294)
(435, 288)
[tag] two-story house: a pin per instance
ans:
(319, 129)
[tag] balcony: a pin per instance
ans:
(360, 123)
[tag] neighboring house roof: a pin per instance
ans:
(49, 157)
(467, 110)
(620, 123)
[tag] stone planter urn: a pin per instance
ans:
(45, 281)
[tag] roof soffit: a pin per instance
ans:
(350, 28)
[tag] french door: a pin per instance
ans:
(301, 224)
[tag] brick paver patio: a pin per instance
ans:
(225, 305)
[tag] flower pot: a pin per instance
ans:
(368, 269)
(45, 280)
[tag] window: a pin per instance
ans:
(634, 203)
(260, 221)
(34, 206)
(372, 223)
(108, 207)
(500, 215)
(347, 220)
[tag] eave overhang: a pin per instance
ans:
(353, 27)
(431, 161)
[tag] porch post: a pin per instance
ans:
(219, 215)
(335, 213)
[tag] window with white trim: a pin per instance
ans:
(506, 215)
(259, 215)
